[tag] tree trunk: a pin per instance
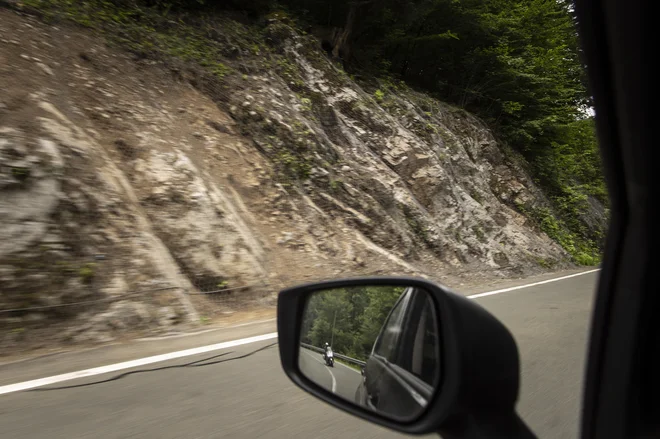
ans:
(341, 43)
(342, 38)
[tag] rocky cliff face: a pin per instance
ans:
(120, 180)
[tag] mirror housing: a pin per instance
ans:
(480, 376)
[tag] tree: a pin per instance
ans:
(352, 318)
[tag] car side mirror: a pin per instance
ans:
(430, 360)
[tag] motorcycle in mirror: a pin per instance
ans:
(329, 358)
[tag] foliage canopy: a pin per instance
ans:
(349, 319)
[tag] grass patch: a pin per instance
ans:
(306, 104)
(87, 272)
(292, 165)
(288, 71)
(545, 263)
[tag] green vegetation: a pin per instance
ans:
(545, 263)
(583, 251)
(289, 72)
(86, 272)
(430, 128)
(335, 185)
(306, 104)
(293, 165)
(349, 318)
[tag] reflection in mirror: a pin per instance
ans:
(376, 346)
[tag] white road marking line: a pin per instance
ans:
(251, 323)
(332, 375)
(519, 287)
(26, 385)
(334, 381)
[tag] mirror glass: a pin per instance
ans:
(375, 346)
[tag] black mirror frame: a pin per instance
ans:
(480, 376)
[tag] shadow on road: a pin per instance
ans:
(197, 363)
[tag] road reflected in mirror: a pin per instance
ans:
(375, 346)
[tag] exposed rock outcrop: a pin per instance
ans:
(119, 180)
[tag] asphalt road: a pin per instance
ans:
(339, 379)
(242, 392)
